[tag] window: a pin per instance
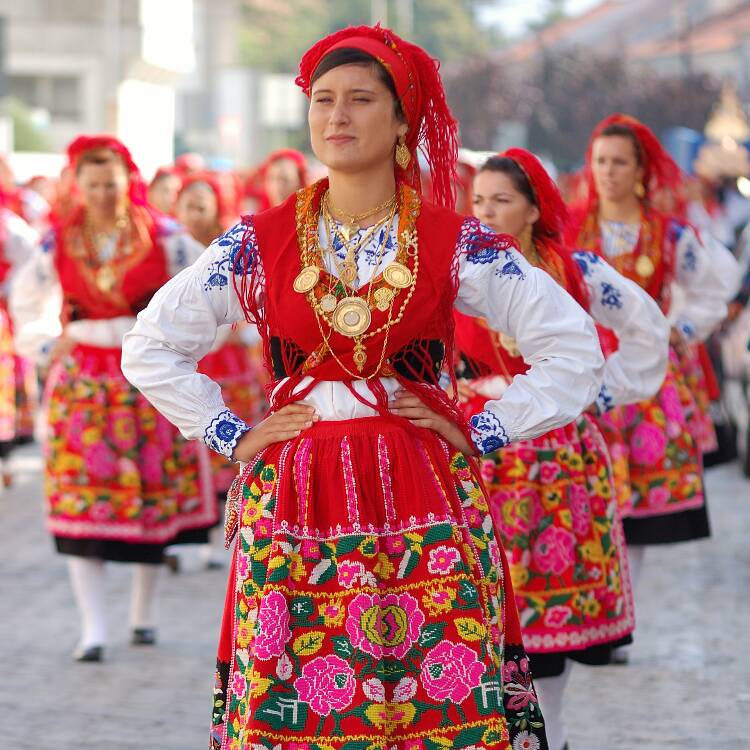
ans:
(59, 95)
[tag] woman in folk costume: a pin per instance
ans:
(121, 483)
(282, 174)
(17, 242)
(230, 363)
(369, 599)
(552, 497)
(625, 163)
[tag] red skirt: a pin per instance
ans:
(242, 379)
(553, 501)
(115, 468)
(369, 601)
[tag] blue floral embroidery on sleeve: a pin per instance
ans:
(231, 242)
(48, 242)
(224, 432)
(488, 433)
(611, 296)
(689, 259)
(686, 328)
(604, 400)
(585, 259)
(510, 267)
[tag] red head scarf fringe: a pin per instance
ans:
(416, 77)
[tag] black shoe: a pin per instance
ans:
(143, 636)
(619, 658)
(89, 654)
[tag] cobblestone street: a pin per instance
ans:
(686, 687)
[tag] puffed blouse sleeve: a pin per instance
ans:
(160, 354)
(35, 301)
(636, 370)
(704, 285)
(556, 337)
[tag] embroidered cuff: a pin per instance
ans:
(686, 328)
(604, 400)
(488, 433)
(224, 432)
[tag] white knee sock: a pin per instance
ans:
(636, 555)
(142, 595)
(87, 580)
(550, 691)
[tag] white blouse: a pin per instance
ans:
(701, 285)
(554, 334)
(36, 300)
(20, 241)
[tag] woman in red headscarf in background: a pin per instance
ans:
(553, 499)
(234, 361)
(121, 483)
(369, 600)
(625, 166)
(282, 174)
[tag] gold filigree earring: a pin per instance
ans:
(403, 155)
(639, 190)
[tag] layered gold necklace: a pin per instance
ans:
(339, 308)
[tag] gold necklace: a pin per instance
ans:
(351, 225)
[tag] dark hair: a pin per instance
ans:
(99, 156)
(618, 129)
(351, 56)
(517, 175)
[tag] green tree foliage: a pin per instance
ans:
(273, 36)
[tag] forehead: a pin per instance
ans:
(285, 167)
(350, 76)
(614, 145)
(111, 169)
(198, 193)
(489, 182)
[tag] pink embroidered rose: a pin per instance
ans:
(262, 528)
(384, 625)
(326, 684)
(243, 565)
(395, 545)
(548, 472)
(238, 684)
(473, 517)
(348, 573)
(450, 671)
(122, 429)
(556, 617)
(658, 496)
(521, 513)
(310, 549)
(554, 550)
(669, 400)
(442, 559)
(273, 626)
(100, 460)
(527, 455)
(648, 444)
(101, 511)
(580, 509)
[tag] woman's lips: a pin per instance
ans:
(340, 138)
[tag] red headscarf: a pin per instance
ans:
(553, 220)
(85, 143)
(415, 76)
(660, 170)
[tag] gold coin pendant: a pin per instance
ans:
(328, 303)
(306, 279)
(105, 279)
(397, 275)
(644, 266)
(351, 317)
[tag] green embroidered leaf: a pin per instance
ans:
(342, 646)
(431, 634)
(302, 607)
(390, 671)
(408, 563)
(488, 697)
(283, 712)
(348, 544)
(439, 533)
(470, 629)
(558, 599)
(470, 736)
(467, 591)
